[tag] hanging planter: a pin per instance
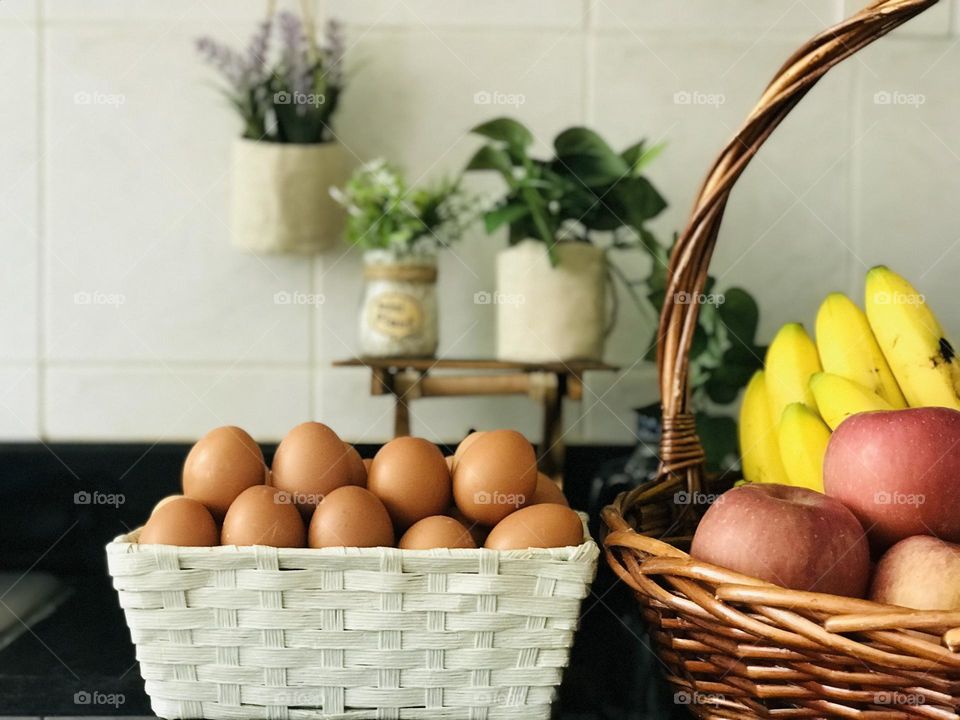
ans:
(281, 196)
(399, 313)
(400, 230)
(548, 313)
(287, 160)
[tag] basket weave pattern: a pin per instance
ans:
(734, 646)
(260, 632)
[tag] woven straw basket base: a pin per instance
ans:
(733, 646)
(260, 632)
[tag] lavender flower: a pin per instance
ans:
(226, 60)
(258, 48)
(334, 49)
(295, 59)
(291, 99)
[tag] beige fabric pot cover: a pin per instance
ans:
(551, 314)
(281, 196)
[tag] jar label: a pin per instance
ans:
(396, 314)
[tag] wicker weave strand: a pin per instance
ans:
(733, 646)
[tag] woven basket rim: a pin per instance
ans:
(586, 552)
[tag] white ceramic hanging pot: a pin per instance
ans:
(551, 314)
(399, 313)
(280, 200)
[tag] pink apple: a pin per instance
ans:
(899, 472)
(789, 536)
(920, 572)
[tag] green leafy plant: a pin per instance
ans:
(384, 214)
(587, 188)
(584, 188)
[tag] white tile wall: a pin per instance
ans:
(126, 314)
(909, 166)
(174, 402)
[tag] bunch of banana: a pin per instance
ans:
(893, 356)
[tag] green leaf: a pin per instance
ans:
(739, 312)
(508, 214)
(492, 158)
(700, 340)
(581, 141)
(718, 435)
(748, 356)
(506, 130)
(587, 158)
(638, 200)
(541, 218)
(638, 156)
(729, 377)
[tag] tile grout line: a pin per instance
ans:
(589, 63)
(41, 273)
(319, 13)
(583, 419)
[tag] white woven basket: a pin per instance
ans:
(259, 632)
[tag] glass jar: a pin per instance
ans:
(399, 313)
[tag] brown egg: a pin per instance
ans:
(547, 492)
(164, 501)
(263, 516)
(477, 531)
(466, 443)
(223, 463)
(537, 526)
(437, 531)
(358, 471)
(180, 521)
(410, 476)
(351, 517)
(310, 462)
(495, 476)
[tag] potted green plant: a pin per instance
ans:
(553, 281)
(287, 158)
(400, 231)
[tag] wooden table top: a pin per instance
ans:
(572, 367)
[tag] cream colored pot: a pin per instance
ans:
(546, 313)
(280, 200)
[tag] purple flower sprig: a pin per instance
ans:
(291, 99)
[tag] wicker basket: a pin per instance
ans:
(734, 646)
(261, 632)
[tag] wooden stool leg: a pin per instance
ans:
(552, 449)
(401, 417)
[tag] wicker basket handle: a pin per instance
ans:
(681, 453)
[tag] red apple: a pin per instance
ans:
(789, 536)
(899, 472)
(920, 572)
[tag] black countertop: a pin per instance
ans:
(79, 661)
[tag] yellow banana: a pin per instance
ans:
(838, 398)
(848, 348)
(791, 360)
(759, 448)
(803, 440)
(921, 358)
